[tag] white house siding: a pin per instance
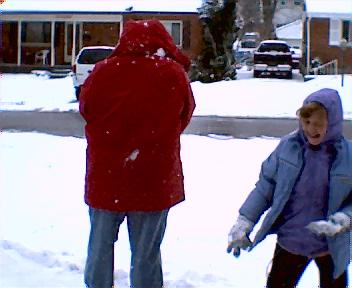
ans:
(291, 33)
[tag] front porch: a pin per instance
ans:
(53, 39)
(55, 71)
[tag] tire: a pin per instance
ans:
(289, 75)
(256, 73)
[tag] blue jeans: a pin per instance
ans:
(146, 231)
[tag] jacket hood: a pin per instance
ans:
(331, 101)
(146, 37)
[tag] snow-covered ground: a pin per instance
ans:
(265, 97)
(44, 222)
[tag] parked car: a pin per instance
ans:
(296, 56)
(273, 57)
(244, 48)
(250, 40)
(85, 62)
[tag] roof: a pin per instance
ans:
(292, 30)
(329, 8)
(99, 6)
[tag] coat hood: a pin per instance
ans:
(331, 101)
(146, 37)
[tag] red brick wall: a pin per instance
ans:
(96, 33)
(319, 44)
(192, 30)
(99, 33)
(9, 42)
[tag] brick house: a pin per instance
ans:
(326, 24)
(48, 33)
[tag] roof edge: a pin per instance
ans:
(26, 12)
(328, 15)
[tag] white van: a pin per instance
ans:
(85, 62)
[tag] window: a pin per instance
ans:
(338, 30)
(297, 2)
(347, 30)
(175, 30)
(92, 56)
(36, 32)
(267, 47)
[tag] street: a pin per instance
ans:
(72, 124)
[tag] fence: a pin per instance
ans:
(329, 68)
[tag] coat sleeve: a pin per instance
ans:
(261, 197)
(189, 104)
(85, 97)
(346, 206)
(88, 94)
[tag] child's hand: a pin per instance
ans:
(341, 218)
(337, 223)
(324, 228)
(238, 244)
(238, 237)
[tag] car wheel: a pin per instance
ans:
(77, 91)
(256, 73)
(289, 75)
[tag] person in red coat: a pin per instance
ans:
(136, 104)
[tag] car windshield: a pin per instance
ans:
(248, 44)
(92, 56)
(273, 47)
(251, 36)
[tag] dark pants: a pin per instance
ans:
(287, 269)
(146, 231)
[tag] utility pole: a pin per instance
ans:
(343, 45)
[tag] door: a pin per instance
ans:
(69, 31)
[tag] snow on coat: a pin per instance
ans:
(136, 104)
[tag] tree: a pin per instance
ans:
(216, 60)
(250, 15)
(268, 15)
(257, 16)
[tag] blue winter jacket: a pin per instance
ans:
(279, 174)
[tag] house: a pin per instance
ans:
(328, 33)
(51, 32)
(292, 33)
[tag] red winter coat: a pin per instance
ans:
(136, 105)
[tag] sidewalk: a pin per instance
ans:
(72, 124)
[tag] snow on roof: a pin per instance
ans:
(270, 41)
(292, 30)
(99, 6)
(329, 8)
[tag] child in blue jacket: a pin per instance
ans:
(306, 183)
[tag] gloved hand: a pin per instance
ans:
(238, 237)
(337, 223)
(342, 219)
